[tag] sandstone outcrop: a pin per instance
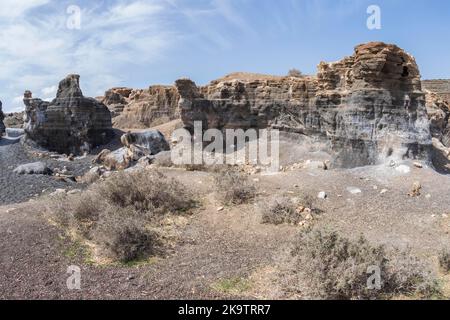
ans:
(142, 108)
(439, 86)
(369, 106)
(71, 123)
(14, 120)
(438, 111)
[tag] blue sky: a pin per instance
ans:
(137, 43)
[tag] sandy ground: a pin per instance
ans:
(217, 246)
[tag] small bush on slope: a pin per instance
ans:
(444, 260)
(333, 267)
(145, 191)
(122, 235)
(233, 187)
(279, 211)
(116, 213)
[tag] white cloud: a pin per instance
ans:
(38, 50)
(48, 91)
(15, 8)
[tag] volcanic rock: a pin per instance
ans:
(33, 168)
(14, 120)
(71, 123)
(2, 117)
(368, 106)
(438, 110)
(142, 108)
(151, 140)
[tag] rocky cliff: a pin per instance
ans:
(142, 108)
(369, 106)
(439, 86)
(438, 110)
(71, 123)
(2, 117)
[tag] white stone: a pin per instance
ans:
(404, 169)
(322, 195)
(354, 190)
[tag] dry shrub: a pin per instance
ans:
(145, 191)
(233, 187)
(279, 211)
(329, 266)
(444, 260)
(122, 235)
(118, 213)
(79, 212)
(295, 73)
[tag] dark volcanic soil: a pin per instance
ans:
(16, 188)
(231, 243)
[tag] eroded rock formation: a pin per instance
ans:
(71, 123)
(369, 106)
(2, 117)
(142, 108)
(439, 114)
(14, 120)
(439, 86)
(137, 146)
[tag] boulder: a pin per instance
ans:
(366, 107)
(33, 168)
(151, 142)
(71, 123)
(114, 160)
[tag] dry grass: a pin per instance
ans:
(233, 187)
(122, 235)
(444, 260)
(332, 267)
(120, 213)
(149, 192)
(279, 211)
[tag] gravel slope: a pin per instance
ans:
(18, 188)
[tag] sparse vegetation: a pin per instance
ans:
(118, 214)
(148, 193)
(234, 285)
(233, 187)
(295, 73)
(332, 267)
(123, 236)
(444, 260)
(279, 211)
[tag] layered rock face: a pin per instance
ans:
(369, 106)
(142, 108)
(71, 123)
(438, 108)
(439, 86)
(14, 120)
